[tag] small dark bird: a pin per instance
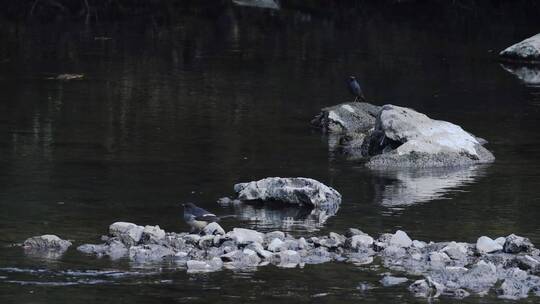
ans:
(356, 90)
(197, 218)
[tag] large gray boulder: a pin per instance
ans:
(406, 138)
(526, 50)
(46, 242)
(347, 118)
(293, 190)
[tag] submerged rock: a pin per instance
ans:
(114, 248)
(526, 50)
(194, 266)
(47, 242)
(391, 281)
(406, 138)
(293, 190)
(270, 4)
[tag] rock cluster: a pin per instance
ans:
(392, 136)
(509, 265)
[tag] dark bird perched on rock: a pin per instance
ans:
(197, 218)
(356, 90)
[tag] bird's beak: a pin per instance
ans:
(183, 205)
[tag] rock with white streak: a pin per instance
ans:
(526, 50)
(293, 190)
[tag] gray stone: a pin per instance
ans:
(47, 242)
(401, 239)
(438, 259)
(267, 4)
(425, 288)
(485, 244)
(296, 190)
(526, 50)
(149, 253)
(517, 244)
(129, 233)
(213, 229)
(391, 281)
(244, 236)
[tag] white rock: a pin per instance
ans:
(485, 244)
(244, 236)
(276, 245)
(401, 239)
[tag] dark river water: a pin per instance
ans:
(181, 110)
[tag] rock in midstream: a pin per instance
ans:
(527, 50)
(293, 190)
(391, 137)
(454, 269)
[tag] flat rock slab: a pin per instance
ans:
(526, 50)
(293, 190)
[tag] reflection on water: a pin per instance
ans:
(529, 75)
(402, 188)
(278, 216)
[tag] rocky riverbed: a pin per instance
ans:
(509, 266)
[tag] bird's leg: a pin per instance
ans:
(355, 98)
